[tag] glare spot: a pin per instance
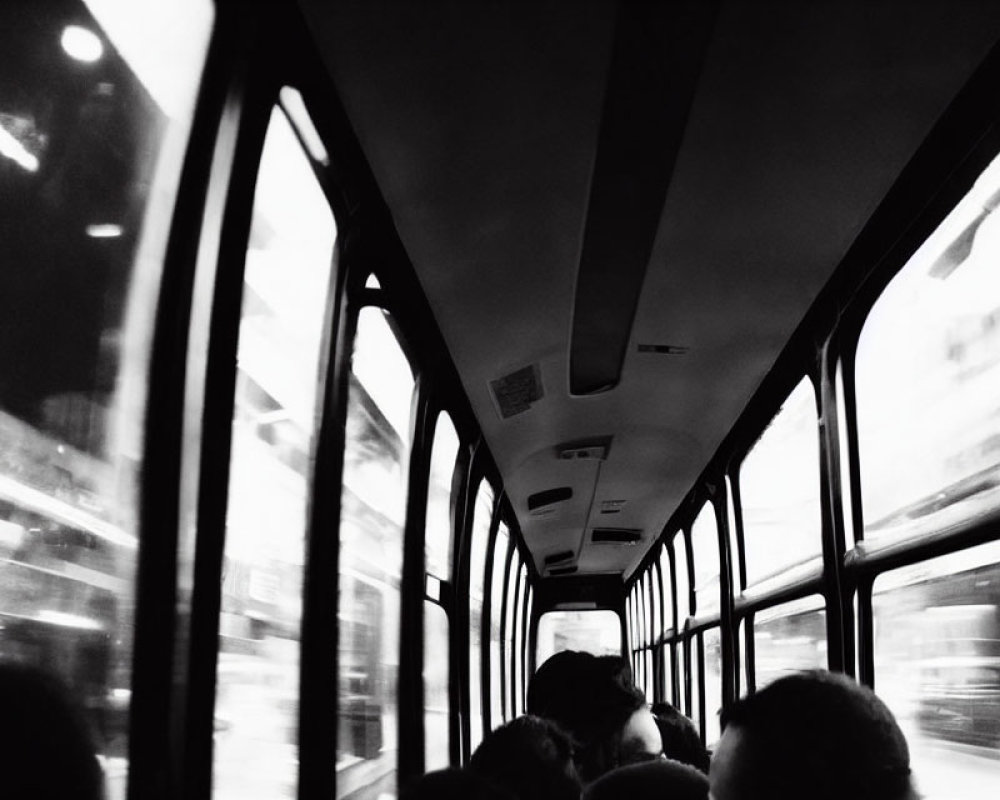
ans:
(104, 231)
(81, 44)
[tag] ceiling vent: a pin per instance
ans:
(557, 571)
(556, 558)
(664, 349)
(514, 393)
(595, 449)
(539, 500)
(615, 535)
(612, 506)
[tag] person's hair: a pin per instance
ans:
(531, 758)
(45, 741)
(591, 697)
(821, 735)
(453, 784)
(652, 780)
(680, 737)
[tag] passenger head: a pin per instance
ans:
(453, 784)
(594, 700)
(531, 758)
(45, 744)
(814, 734)
(679, 736)
(655, 780)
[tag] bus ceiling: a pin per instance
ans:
(623, 211)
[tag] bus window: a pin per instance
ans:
(705, 544)
(95, 108)
(780, 490)
(693, 706)
(597, 632)
(517, 610)
(668, 596)
(438, 529)
(712, 645)
(437, 737)
(281, 330)
(734, 552)
(526, 663)
(480, 532)
(927, 375)
(789, 638)
(654, 601)
(937, 666)
(373, 502)
(683, 581)
(500, 547)
(438, 540)
(508, 636)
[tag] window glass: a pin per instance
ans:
(517, 611)
(780, 490)
(373, 505)
(438, 530)
(665, 652)
(642, 595)
(712, 643)
(597, 632)
(789, 638)
(281, 331)
(629, 604)
(94, 118)
(668, 602)
(705, 543)
(655, 585)
(509, 615)
(482, 516)
(648, 685)
(683, 584)
(681, 658)
(694, 707)
(500, 547)
(937, 666)
(847, 503)
(437, 736)
(734, 553)
(927, 377)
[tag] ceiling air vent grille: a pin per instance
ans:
(514, 393)
(556, 558)
(615, 535)
(556, 571)
(548, 497)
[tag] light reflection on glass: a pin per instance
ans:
(81, 143)
(780, 490)
(286, 286)
(937, 666)
(373, 503)
(927, 375)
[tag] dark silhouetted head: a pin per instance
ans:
(680, 738)
(46, 746)
(654, 780)
(594, 700)
(529, 757)
(813, 734)
(454, 784)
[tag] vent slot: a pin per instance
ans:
(556, 571)
(595, 449)
(548, 497)
(615, 535)
(612, 506)
(555, 558)
(514, 393)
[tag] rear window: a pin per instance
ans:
(597, 632)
